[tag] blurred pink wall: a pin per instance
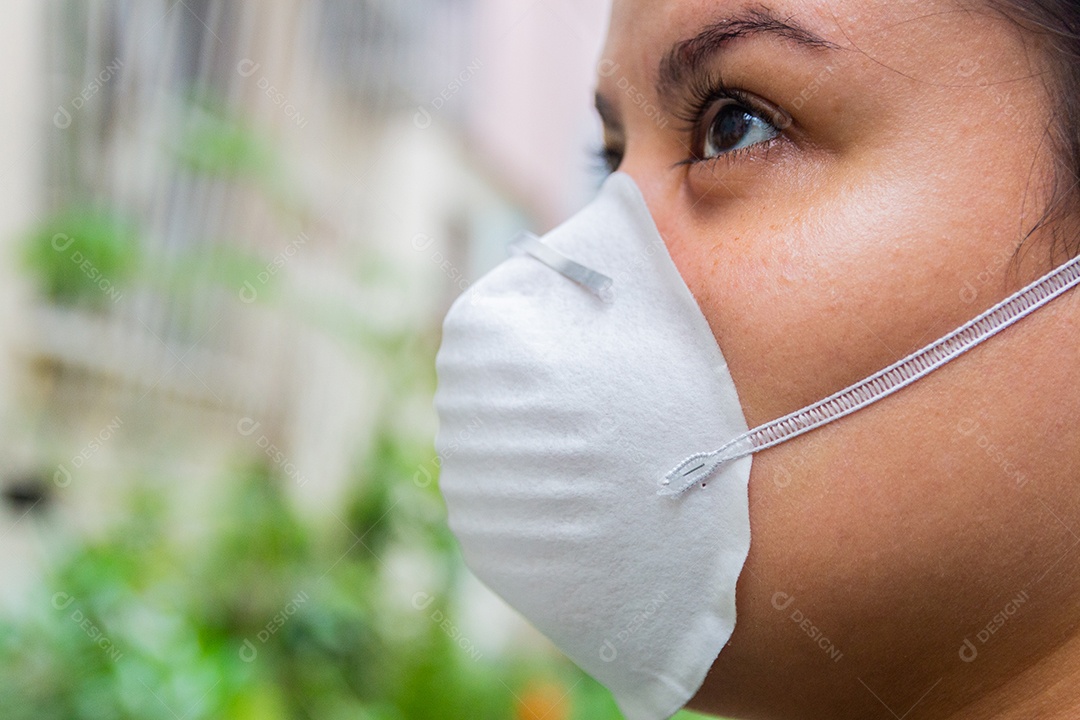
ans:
(530, 101)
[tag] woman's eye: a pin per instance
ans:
(733, 127)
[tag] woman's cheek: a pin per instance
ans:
(807, 294)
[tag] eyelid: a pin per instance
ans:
(774, 114)
(771, 113)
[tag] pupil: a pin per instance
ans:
(730, 126)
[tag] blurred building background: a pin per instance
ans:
(231, 230)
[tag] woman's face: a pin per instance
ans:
(858, 190)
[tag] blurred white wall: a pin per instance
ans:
(20, 183)
(21, 136)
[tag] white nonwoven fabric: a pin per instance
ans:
(559, 413)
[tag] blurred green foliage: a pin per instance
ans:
(264, 617)
(215, 143)
(82, 257)
(86, 256)
(261, 618)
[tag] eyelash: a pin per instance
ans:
(702, 93)
(605, 160)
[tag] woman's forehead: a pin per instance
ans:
(902, 24)
(886, 42)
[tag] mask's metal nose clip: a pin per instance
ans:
(597, 283)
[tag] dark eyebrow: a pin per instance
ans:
(686, 58)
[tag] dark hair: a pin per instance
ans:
(1055, 25)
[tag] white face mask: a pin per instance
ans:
(581, 393)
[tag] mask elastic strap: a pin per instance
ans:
(700, 466)
(596, 283)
